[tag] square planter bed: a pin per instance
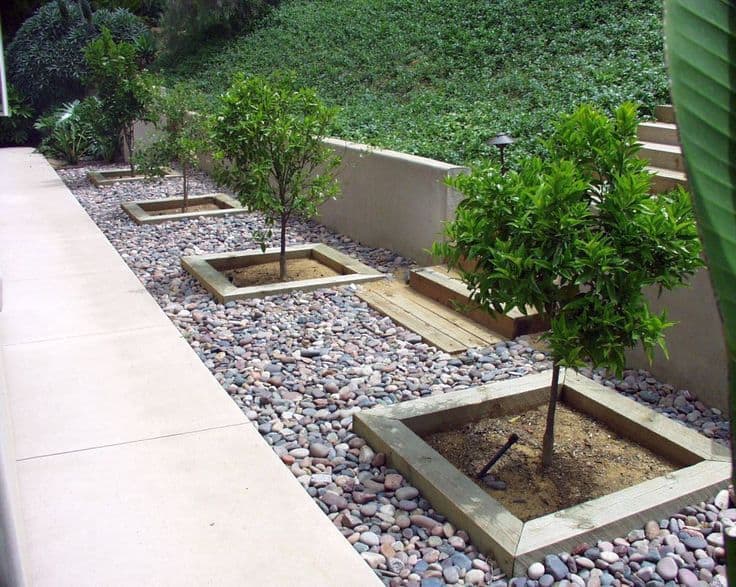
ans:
(155, 211)
(220, 273)
(104, 177)
(699, 465)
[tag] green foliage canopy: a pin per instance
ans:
(270, 132)
(180, 135)
(576, 236)
(123, 91)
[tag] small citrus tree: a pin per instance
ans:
(267, 135)
(181, 135)
(576, 237)
(122, 88)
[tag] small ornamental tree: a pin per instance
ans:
(122, 88)
(576, 237)
(181, 135)
(267, 135)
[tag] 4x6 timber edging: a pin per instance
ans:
(103, 177)
(208, 270)
(394, 430)
(441, 287)
(140, 210)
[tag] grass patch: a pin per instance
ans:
(439, 77)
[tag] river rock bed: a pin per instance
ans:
(301, 365)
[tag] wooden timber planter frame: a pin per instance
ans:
(140, 211)
(209, 271)
(395, 430)
(103, 177)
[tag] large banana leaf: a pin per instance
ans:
(700, 36)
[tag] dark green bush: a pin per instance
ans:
(16, 128)
(150, 10)
(186, 22)
(46, 60)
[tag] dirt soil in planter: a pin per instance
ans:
(263, 273)
(190, 208)
(590, 460)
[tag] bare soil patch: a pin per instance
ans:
(590, 460)
(263, 273)
(190, 208)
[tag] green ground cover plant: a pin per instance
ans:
(267, 134)
(577, 236)
(438, 78)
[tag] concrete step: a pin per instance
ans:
(665, 180)
(663, 133)
(663, 156)
(665, 113)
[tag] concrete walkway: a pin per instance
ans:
(124, 462)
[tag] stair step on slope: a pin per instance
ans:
(663, 156)
(663, 133)
(665, 113)
(665, 180)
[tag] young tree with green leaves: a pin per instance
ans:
(122, 88)
(267, 135)
(576, 236)
(181, 135)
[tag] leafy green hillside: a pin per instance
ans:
(439, 77)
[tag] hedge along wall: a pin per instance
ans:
(399, 202)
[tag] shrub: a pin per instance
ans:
(576, 236)
(123, 91)
(68, 136)
(46, 60)
(15, 129)
(184, 22)
(271, 134)
(181, 135)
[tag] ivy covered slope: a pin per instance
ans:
(439, 77)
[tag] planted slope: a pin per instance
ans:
(439, 77)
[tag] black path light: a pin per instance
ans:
(501, 140)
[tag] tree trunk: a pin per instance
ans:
(186, 187)
(128, 138)
(282, 255)
(548, 444)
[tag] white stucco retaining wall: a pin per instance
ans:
(391, 199)
(399, 202)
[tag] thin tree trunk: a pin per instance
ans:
(184, 168)
(282, 255)
(548, 444)
(128, 137)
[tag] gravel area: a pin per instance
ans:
(301, 365)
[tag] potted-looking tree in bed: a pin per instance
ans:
(178, 134)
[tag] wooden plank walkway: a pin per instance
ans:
(436, 324)
(444, 286)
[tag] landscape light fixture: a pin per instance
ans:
(501, 140)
